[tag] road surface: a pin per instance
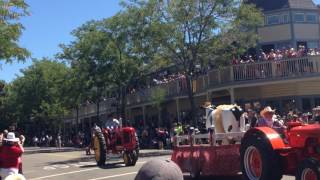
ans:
(76, 165)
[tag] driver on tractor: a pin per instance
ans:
(269, 120)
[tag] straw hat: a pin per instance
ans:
(267, 109)
(11, 137)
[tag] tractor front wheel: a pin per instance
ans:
(99, 147)
(258, 159)
(308, 170)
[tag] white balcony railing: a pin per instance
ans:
(242, 73)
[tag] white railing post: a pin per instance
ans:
(231, 74)
(274, 69)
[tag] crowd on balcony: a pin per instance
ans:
(276, 55)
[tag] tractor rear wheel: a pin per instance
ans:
(134, 156)
(100, 148)
(308, 170)
(258, 159)
(127, 159)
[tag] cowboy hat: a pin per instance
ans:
(267, 109)
(11, 137)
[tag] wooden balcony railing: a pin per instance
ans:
(91, 109)
(242, 73)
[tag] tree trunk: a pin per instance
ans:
(159, 117)
(77, 118)
(193, 109)
(98, 111)
(123, 103)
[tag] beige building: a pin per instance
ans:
(287, 84)
(288, 23)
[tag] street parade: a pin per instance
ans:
(160, 90)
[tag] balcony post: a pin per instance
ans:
(273, 69)
(232, 99)
(231, 74)
(144, 115)
(219, 76)
(178, 109)
(203, 82)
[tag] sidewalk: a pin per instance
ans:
(142, 153)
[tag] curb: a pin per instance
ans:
(51, 150)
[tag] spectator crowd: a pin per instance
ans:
(276, 55)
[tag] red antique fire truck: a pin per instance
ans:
(119, 142)
(259, 153)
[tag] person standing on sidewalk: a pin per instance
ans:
(10, 155)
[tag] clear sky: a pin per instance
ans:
(50, 24)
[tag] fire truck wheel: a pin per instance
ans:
(258, 159)
(99, 147)
(308, 170)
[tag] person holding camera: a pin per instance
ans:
(10, 155)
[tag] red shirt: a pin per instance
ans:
(9, 156)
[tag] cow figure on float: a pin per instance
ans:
(224, 118)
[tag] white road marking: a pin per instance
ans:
(61, 174)
(118, 175)
(73, 172)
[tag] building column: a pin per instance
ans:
(208, 96)
(231, 91)
(178, 109)
(144, 115)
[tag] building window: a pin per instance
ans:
(317, 102)
(311, 18)
(306, 104)
(274, 19)
(285, 18)
(299, 17)
(313, 44)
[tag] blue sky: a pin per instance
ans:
(50, 24)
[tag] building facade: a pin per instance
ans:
(288, 24)
(285, 85)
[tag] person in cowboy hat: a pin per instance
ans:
(10, 153)
(268, 119)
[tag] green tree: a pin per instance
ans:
(36, 99)
(158, 96)
(89, 57)
(106, 52)
(190, 33)
(10, 30)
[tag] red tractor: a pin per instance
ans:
(266, 154)
(119, 142)
(260, 153)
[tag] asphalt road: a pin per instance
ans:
(75, 165)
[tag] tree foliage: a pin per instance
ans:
(190, 33)
(36, 99)
(10, 29)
